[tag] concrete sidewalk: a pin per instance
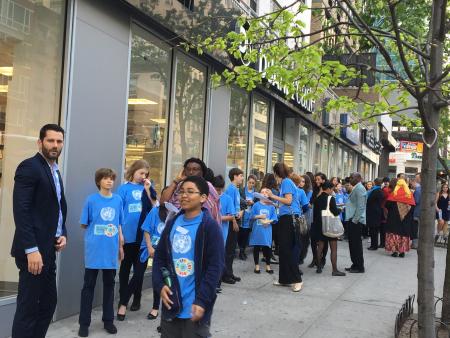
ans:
(358, 305)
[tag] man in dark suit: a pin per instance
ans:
(39, 209)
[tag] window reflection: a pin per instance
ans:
(31, 54)
(148, 104)
(188, 127)
(260, 119)
(324, 152)
(238, 130)
(303, 150)
(317, 153)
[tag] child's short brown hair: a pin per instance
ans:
(104, 173)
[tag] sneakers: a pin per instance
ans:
(83, 331)
(297, 287)
(110, 328)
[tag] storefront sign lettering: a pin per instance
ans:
(262, 64)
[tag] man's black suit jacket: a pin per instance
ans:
(36, 208)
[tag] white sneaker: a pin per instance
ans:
(297, 287)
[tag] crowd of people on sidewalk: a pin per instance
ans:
(193, 230)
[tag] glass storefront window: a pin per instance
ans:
(339, 162)
(31, 55)
(259, 127)
(345, 161)
(189, 115)
(291, 136)
(303, 150)
(325, 155)
(332, 159)
(148, 104)
(317, 153)
(238, 130)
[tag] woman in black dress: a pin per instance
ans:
(316, 229)
(442, 212)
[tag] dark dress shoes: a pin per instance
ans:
(356, 270)
(135, 306)
(372, 248)
(110, 328)
(83, 331)
(236, 278)
(228, 280)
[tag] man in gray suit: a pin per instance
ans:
(355, 213)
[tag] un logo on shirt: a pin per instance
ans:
(137, 194)
(181, 243)
(107, 214)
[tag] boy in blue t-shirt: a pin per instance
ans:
(226, 206)
(236, 177)
(102, 217)
(188, 264)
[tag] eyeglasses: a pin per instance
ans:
(188, 192)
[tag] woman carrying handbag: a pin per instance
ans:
(327, 203)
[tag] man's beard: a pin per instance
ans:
(47, 153)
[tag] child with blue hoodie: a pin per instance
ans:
(188, 264)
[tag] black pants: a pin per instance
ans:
(305, 241)
(382, 234)
(36, 300)
(131, 258)
(183, 328)
(275, 237)
(415, 229)
(135, 282)
(230, 247)
(87, 295)
(374, 234)
(156, 300)
(355, 245)
(289, 272)
(267, 252)
(243, 235)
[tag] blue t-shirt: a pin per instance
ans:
(249, 195)
(288, 187)
(154, 227)
(182, 237)
(233, 192)
(262, 235)
(131, 194)
(102, 216)
(302, 198)
(226, 209)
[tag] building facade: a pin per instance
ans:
(111, 72)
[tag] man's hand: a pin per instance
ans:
(235, 226)
(197, 312)
(61, 242)
(35, 263)
(165, 297)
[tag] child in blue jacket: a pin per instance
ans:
(188, 264)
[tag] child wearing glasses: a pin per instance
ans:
(188, 264)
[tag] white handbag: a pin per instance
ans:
(331, 224)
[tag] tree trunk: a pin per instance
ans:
(446, 291)
(425, 270)
(430, 119)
